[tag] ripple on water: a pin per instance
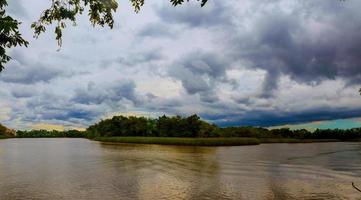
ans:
(81, 169)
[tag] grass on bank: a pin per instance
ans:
(295, 140)
(182, 141)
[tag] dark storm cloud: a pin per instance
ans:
(315, 42)
(93, 94)
(48, 106)
(270, 83)
(273, 118)
(29, 75)
(199, 73)
(73, 114)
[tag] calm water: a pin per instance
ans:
(83, 169)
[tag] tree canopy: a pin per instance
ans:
(9, 34)
(100, 13)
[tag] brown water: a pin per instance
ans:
(83, 169)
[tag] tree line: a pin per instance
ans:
(50, 134)
(164, 126)
(177, 126)
(193, 126)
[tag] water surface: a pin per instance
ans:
(84, 169)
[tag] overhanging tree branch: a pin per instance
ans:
(353, 185)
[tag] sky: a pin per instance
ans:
(269, 63)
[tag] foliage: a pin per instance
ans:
(9, 34)
(349, 134)
(100, 13)
(164, 126)
(49, 134)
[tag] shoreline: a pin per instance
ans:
(294, 140)
(227, 141)
(233, 141)
(181, 141)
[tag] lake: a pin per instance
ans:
(83, 169)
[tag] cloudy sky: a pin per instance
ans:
(250, 62)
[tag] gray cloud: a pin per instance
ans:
(157, 30)
(140, 58)
(25, 70)
(48, 107)
(23, 91)
(200, 72)
(314, 42)
(93, 94)
(264, 118)
(213, 14)
(29, 75)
